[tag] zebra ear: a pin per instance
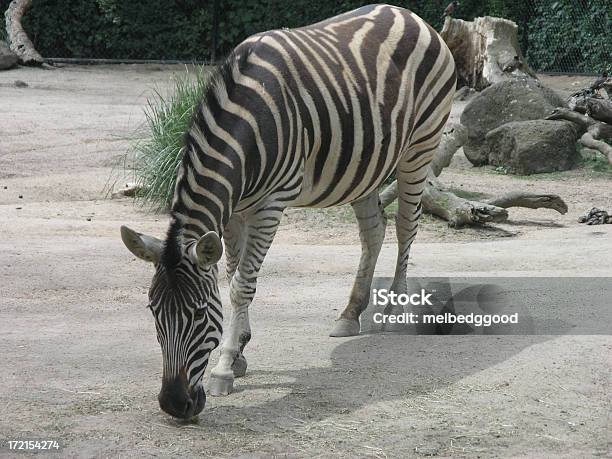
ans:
(208, 250)
(144, 247)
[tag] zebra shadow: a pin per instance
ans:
(361, 371)
(414, 361)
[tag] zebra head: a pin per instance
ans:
(184, 299)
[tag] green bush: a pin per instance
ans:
(158, 152)
(571, 34)
(556, 35)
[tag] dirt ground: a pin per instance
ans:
(81, 364)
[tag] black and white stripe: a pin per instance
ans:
(312, 117)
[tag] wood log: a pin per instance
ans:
(19, 41)
(459, 212)
(451, 141)
(589, 141)
(531, 201)
(596, 108)
(592, 131)
(599, 109)
(483, 49)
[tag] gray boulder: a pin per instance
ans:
(533, 147)
(501, 103)
(8, 58)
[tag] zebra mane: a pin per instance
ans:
(171, 255)
(222, 75)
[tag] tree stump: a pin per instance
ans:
(18, 40)
(486, 51)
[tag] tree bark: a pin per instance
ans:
(483, 48)
(18, 40)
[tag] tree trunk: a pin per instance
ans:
(483, 48)
(18, 40)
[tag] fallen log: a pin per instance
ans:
(438, 200)
(593, 132)
(530, 201)
(596, 108)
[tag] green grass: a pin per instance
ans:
(158, 152)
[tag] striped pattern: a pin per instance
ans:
(313, 117)
(187, 335)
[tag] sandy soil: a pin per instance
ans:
(82, 366)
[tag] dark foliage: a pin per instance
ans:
(556, 35)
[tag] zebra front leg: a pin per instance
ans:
(234, 237)
(371, 221)
(259, 229)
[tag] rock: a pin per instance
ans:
(20, 84)
(533, 147)
(596, 217)
(8, 58)
(508, 101)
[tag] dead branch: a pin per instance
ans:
(589, 141)
(459, 212)
(19, 41)
(596, 108)
(451, 141)
(531, 201)
(592, 132)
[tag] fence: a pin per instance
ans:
(569, 36)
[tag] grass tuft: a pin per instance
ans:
(158, 153)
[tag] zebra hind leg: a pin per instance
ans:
(411, 181)
(372, 223)
(259, 229)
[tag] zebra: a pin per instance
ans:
(316, 116)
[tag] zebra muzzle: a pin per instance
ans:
(176, 399)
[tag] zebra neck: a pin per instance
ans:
(205, 195)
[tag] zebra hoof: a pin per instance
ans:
(218, 386)
(345, 327)
(239, 367)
